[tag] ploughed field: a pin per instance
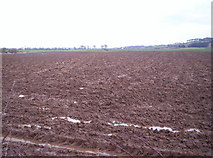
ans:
(107, 103)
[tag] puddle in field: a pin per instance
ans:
(72, 148)
(69, 119)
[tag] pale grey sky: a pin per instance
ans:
(69, 23)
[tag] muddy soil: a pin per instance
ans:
(107, 104)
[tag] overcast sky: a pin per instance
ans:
(71, 23)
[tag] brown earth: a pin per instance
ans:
(105, 103)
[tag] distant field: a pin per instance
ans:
(178, 49)
(115, 50)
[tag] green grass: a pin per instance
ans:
(127, 50)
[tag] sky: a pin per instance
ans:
(116, 23)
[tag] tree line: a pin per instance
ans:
(82, 47)
(197, 42)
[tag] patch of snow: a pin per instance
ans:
(44, 108)
(110, 124)
(137, 126)
(117, 123)
(193, 130)
(70, 119)
(53, 118)
(46, 127)
(86, 122)
(26, 125)
(120, 124)
(158, 128)
(161, 128)
(21, 96)
(36, 126)
(120, 76)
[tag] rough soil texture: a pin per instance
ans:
(107, 103)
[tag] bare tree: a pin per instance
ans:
(104, 47)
